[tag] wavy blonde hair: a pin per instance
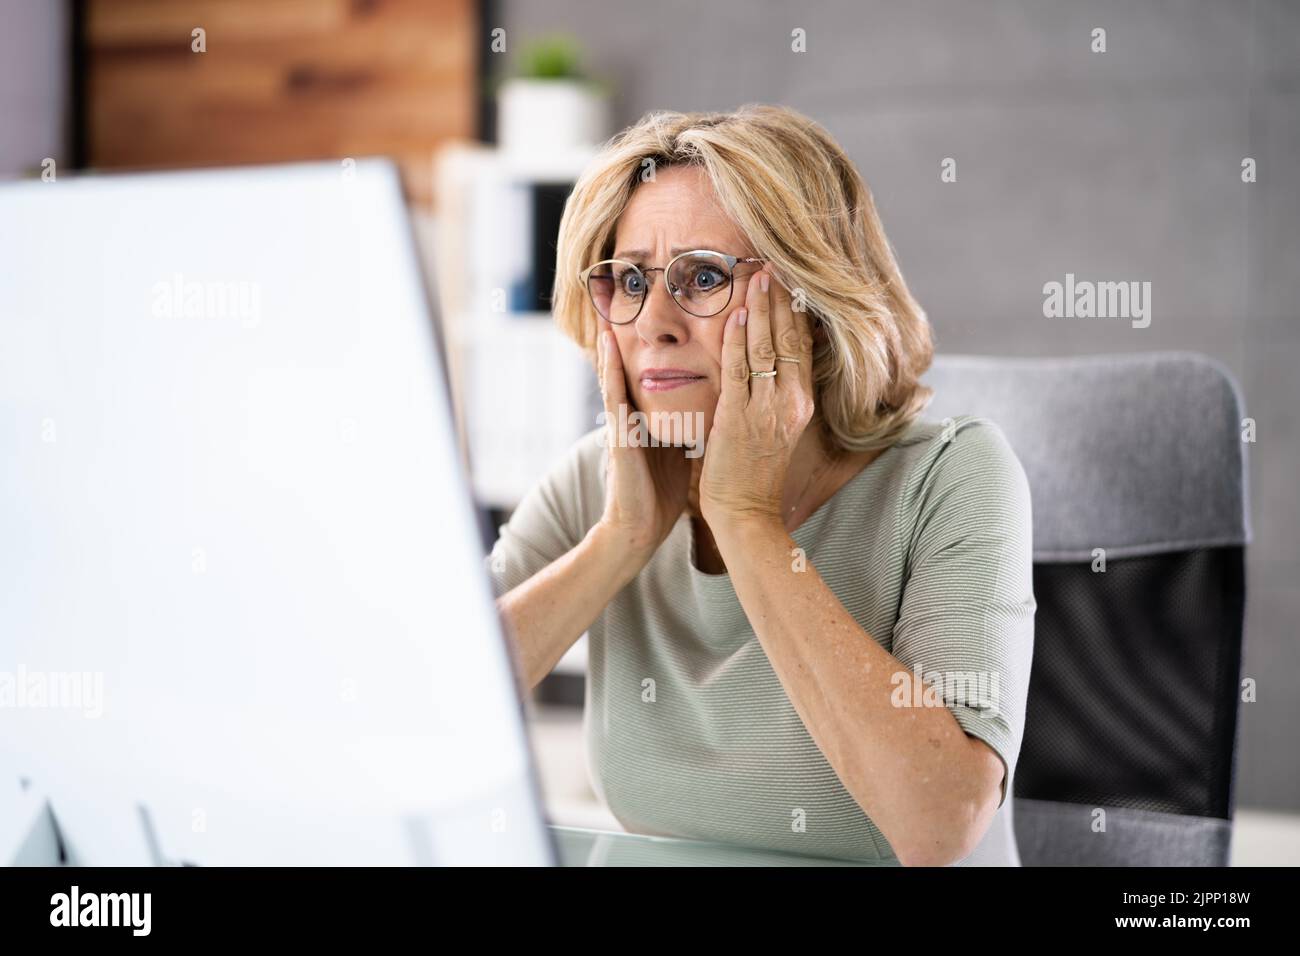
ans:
(795, 194)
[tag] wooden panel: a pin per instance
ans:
(281, 80)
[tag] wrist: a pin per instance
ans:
(618, 550)
(744, 534)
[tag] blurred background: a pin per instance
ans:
(1125, 163)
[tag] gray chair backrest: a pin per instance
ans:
(1136, 464)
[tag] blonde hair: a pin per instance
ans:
(795, 194)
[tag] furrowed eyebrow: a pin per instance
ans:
(640, 255)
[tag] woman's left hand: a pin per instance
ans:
(758, 420)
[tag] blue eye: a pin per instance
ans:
(630, 282)
(705, 278)
(708, 279)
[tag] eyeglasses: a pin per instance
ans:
(701, 283)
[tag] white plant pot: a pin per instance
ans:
(553, 115)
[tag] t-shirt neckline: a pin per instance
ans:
(800, 534)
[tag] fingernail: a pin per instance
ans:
(742, 316)
(763, 281)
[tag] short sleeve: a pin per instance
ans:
(966, 620)
(553, 517)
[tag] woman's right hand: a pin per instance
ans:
(646, 488)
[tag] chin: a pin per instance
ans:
(674, 420)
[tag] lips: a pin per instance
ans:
(664, 379)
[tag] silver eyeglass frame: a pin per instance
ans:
(731, 261)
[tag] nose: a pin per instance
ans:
(661, 321)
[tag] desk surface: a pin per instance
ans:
(582, 847)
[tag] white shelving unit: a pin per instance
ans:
(524, 393)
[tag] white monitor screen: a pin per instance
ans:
(243, 611)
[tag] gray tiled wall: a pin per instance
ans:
(1116, 165)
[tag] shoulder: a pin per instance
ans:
(576, 483)
(964, 463)
(954, 447)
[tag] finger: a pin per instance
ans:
(693, 488)
(613, 386)
(602, 380)
(803, 325)
(735, 364)
(785, 335)
(762, 357)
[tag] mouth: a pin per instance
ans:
(666, 379)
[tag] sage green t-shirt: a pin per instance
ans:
(689, 731)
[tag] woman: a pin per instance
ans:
(812, 630)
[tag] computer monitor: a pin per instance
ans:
(244, 616)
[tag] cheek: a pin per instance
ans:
(626, 338)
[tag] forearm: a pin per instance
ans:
(546, 614)
(911, 769)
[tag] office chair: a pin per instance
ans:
(1128, 756)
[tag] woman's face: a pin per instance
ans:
(676, 212)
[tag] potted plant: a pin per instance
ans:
(549, 103)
